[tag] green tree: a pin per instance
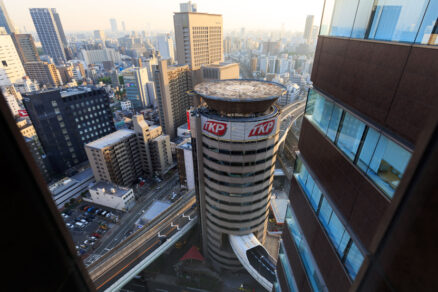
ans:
(106, 80)
(121, 81)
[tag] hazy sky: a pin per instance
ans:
(77, 15)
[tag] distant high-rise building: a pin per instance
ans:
(44, 73)
(227, 46)
(199, 38)
(165, 47)
(113, 23)
(99, 56)
(308, 29)
(123, 26)
(5, 21)
(188, 7)
(59, 26)
(139, 90)
(253, 65)
(49, 33)
(65, 120)
(99, 34)
(271, 47)
(26, 48)
(11, 69)
(172, 84)
(220, 71)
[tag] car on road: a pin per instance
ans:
(97, 235)
(163, 239)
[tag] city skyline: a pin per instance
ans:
(159, 17)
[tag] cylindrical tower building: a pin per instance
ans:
(235, 132)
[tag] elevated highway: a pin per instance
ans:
(113, 270)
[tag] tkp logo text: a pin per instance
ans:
(216, 128)
(262, 129)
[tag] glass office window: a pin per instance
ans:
(362, 20)
(354, 260)
(428, 33)
(338, 17)
(307, 259)
(287, 269)
(315, 197)
(343, 243)
(334, 123)
(387, 165)
(396, 20)
(325, 212)
(319, 110)
(350, 135)
(368, 148)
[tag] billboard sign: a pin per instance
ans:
(239, 131)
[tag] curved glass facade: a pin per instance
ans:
(404, 21)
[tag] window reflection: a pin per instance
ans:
(386, 20)
(381, 159)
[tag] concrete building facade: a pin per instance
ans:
(112, 196)
(235, 136)
(44, 73)
(199, 38)
(11, 69)
(139, 90)
(172, 84)
(220, 71)
(26, 49)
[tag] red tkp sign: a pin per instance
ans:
(262, 129)
(22, 113)
(216, 128)
(188, 119)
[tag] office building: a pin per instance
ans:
(100, 35)
(72, 187)
(100, 56)
(220, 71)
(5, 21)
(271, 48)
(26, 85)
(188, 7)
(48, 33)
(11, 69)
(184, 158)
(115, 158)
(125, 155)
(44, 73)
(59, 26)
(357, 216)
(123, 26)
(26, 48)
(66, 119)
(11, 101)
(111, 196)
(234, 140)
(161, 154)
(139, 90)
(113, 23)
(65, 73)
(308, 29)
(165, 47)
(172, 84)
(199, 38)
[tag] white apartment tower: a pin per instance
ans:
(11, 69)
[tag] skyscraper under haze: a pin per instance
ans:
(49, 34)
(5, 21)
(308, 28)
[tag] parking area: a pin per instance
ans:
(88, 223)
